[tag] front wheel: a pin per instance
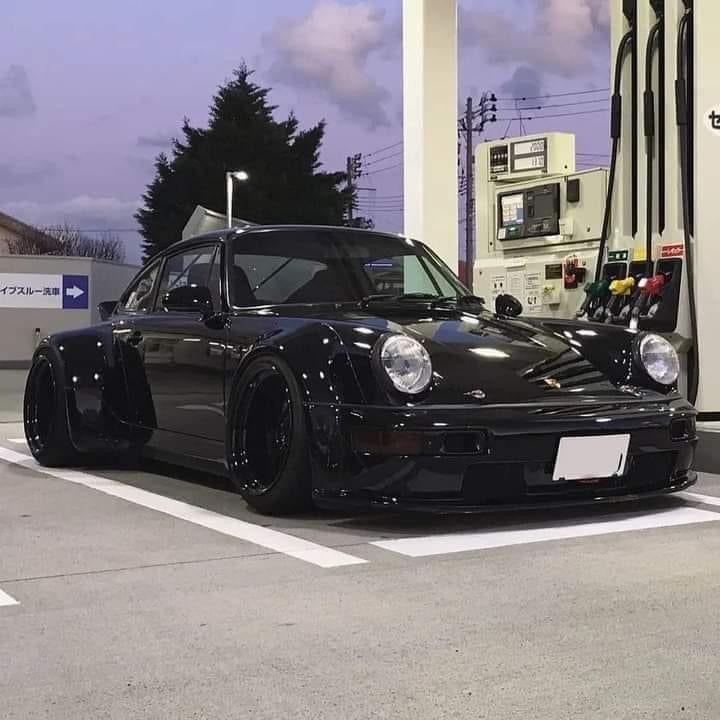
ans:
(266, 439)
(45, 411)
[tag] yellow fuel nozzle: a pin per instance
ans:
(622, 287)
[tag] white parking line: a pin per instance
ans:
(705, 499)
(18, 441)
(462, 542)
(6, 600)
(265, 537)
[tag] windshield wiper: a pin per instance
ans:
(460, 300)
(426, 297)
(404, 297)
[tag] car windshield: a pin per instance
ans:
(271, 267)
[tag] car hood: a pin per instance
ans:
(479, 357)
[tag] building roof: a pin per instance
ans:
(18, 227)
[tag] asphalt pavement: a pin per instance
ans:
(155, 592)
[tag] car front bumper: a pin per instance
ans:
(472, 458)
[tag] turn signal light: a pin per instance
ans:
(384, 442)
(430, 443)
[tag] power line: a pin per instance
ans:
(375, 172)
(382, 149)
(559, 115)
(555, 105)
(389, 201)
(374, 197)
(108, 230)
(555, 95)
(382, 159)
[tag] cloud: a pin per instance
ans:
(158, 141)
(12, 176)
(526, 81)
(559, 38)
(328, 52)
(16, 98)
(83, 211)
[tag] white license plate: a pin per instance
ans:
(587, 458)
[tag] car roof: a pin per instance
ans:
(225, 234)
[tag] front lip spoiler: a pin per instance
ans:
(361, 501)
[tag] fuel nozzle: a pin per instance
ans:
(622, 288)
(650, 288)
(594, 294)
(620, 291)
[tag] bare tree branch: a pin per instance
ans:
(68, 241)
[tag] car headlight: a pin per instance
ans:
(406, 363)
(659, 359)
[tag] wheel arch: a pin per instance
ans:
(91, 379)
(318, 359)
(326, 377)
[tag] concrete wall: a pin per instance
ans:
(18, 335)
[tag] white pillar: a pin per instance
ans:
(430, 82)
(707, 221)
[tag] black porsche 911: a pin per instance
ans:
(337, 366)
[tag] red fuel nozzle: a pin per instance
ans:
(652, 286)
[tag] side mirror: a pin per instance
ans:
(508, 305)
(189, 298)
(106, 309)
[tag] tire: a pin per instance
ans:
(45, 411)
(266, 442)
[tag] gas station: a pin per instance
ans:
(148, 589)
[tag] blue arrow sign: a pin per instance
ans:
(75, 292)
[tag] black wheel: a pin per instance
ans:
(266, 439)
(45, 411)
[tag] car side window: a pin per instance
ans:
(188, 267)
(138, 298)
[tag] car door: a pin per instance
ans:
(183, 350)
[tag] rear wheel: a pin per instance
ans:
(267, 439)
(45, 411)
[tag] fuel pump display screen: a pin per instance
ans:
(513, 209)
(529, 155)
(532, 213)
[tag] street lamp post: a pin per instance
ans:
(230, 177)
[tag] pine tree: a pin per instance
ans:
(282, 161)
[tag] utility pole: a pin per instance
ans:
(354, 171)
(473, 122)
(469, 198)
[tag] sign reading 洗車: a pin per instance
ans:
(28, 290)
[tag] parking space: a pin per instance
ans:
(131, 593)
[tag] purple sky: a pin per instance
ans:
(102, 87)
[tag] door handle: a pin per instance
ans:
(136, 337)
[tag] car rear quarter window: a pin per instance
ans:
(139, 297)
